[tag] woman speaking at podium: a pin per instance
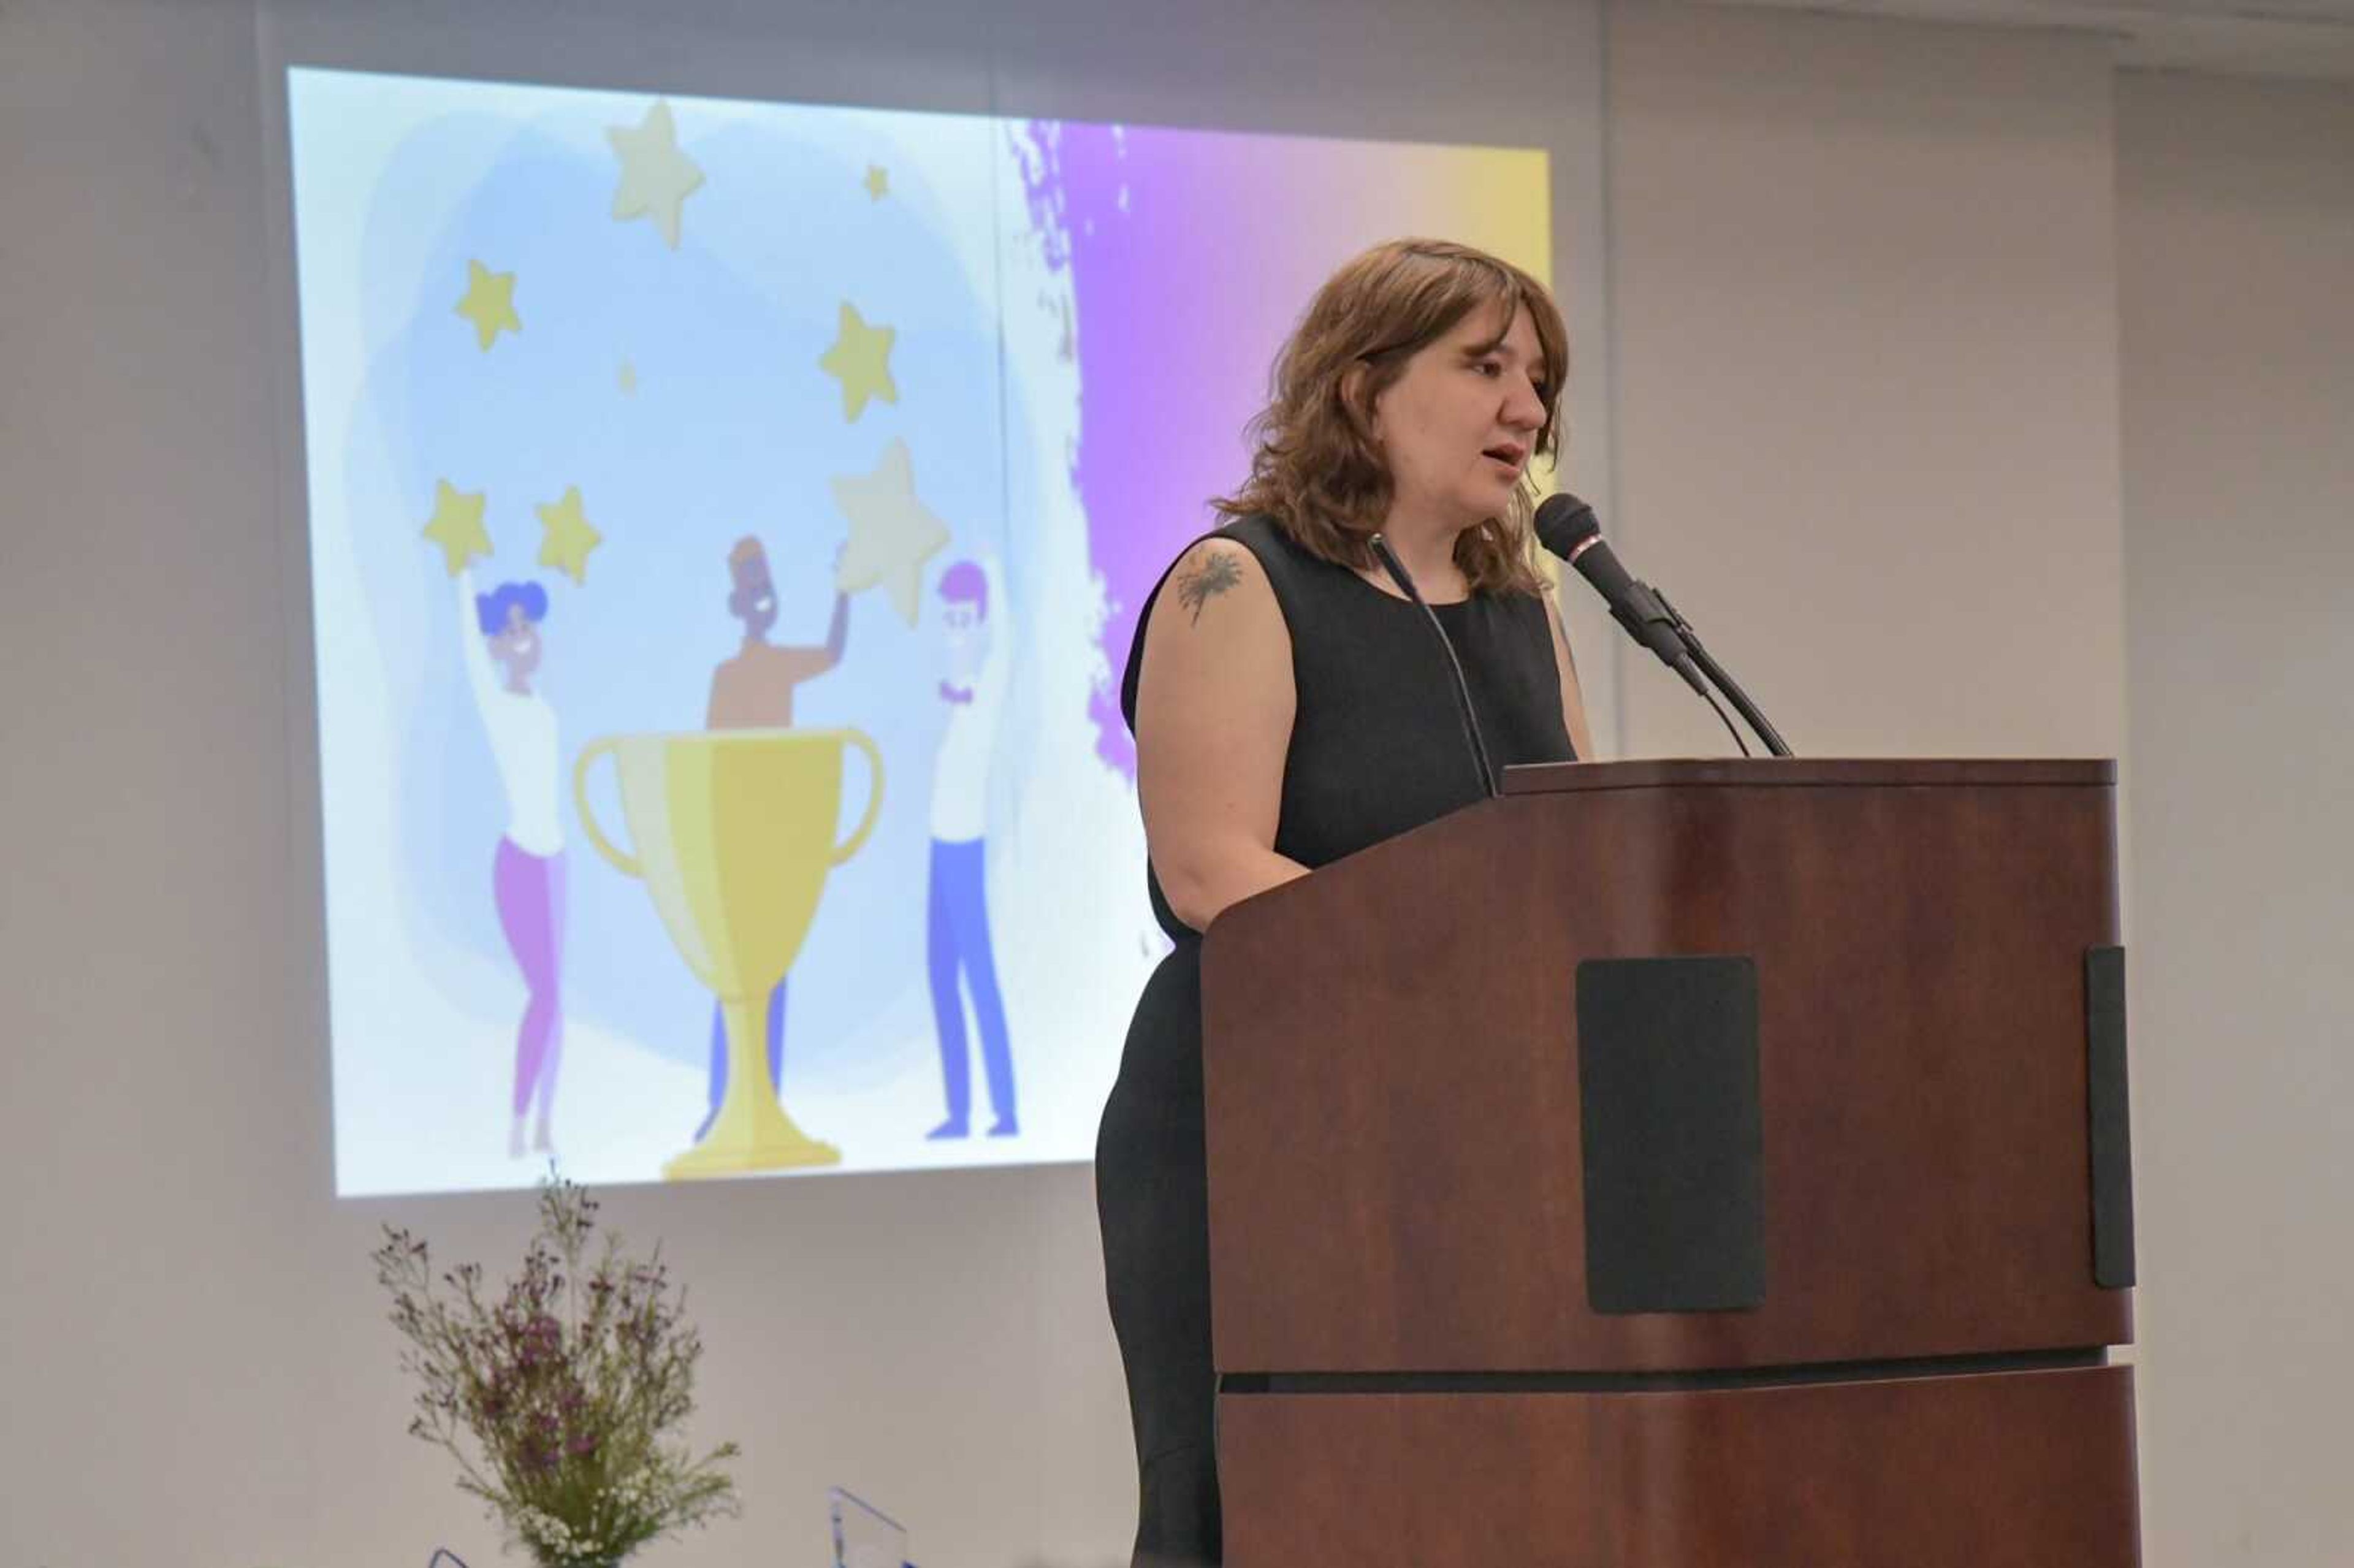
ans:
(1292, 704)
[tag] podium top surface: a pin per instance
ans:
(1557, 777)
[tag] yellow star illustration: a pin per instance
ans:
(878, 180)
(627, 376)
(456, 526)
(892, 534)
(489, 303)
(656, 178)
(568, 538)
(860, 360)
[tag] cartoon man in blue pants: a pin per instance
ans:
(980, 650)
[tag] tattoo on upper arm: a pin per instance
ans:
(1200, 583)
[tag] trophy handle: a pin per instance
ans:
(626, 864)
(874, 795)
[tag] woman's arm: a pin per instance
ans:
(472, 647)
(1214, 710)
(1573, 699)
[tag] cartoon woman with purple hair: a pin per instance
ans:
(527, 874)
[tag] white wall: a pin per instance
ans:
(2235, 223)
(1864, 289)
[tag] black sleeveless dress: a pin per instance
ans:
(1376, 748)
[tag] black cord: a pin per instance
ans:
(441, 1551)
(1724, 683)
(1727, 722)
(1454, 667)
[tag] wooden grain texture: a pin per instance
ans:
(1392, 1070)
(2012, 1470)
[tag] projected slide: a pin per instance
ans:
(727, 522)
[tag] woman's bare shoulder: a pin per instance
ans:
(1215, 570)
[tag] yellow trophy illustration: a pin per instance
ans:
(733, 834)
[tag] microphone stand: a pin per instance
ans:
(1724, 682)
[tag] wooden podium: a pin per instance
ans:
(1683, 1165)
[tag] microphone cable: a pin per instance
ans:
(1488, 788)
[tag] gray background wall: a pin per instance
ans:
(2235, 225)
(1973, 398)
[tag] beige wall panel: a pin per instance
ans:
(2235, 226)
(1865, 290)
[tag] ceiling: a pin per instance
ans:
(2255, 37)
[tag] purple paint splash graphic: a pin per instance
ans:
(1176, 332)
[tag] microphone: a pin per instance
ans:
(1567, 526)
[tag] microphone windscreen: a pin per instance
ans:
(1564, 523)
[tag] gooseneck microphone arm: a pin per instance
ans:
(1567, 526)
(1724, 683)
(1454, 666)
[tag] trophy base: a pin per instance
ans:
(712, 1158)
(752, 1132)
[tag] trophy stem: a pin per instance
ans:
(752, 1130)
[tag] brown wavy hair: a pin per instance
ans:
(1314, 467)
